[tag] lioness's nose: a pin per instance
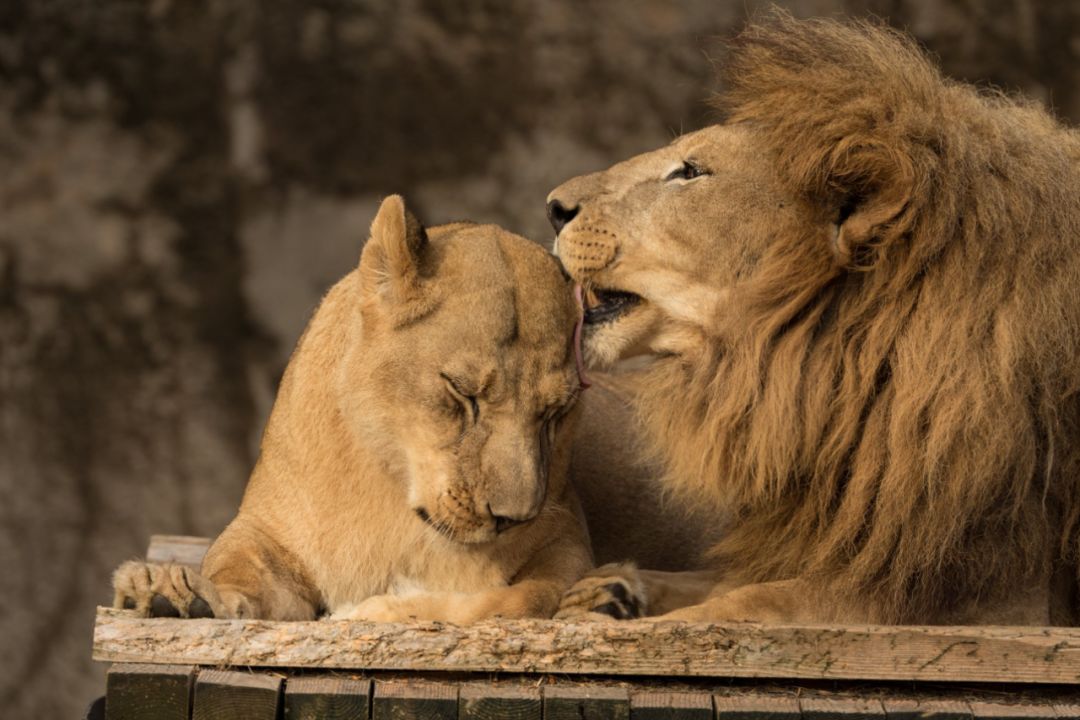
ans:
(559, 215)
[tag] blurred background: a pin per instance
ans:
(181, 180)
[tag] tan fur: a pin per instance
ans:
(628, 511)
(864, 322)
(374, 427)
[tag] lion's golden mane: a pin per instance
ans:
(900, 418)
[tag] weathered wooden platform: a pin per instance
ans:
(629, 648)
(548, 669)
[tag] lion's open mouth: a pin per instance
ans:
(603, 306)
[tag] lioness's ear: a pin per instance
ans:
(390, 263)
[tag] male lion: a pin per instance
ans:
(415, 461)
(861, 299)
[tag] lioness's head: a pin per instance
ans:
(463, 370)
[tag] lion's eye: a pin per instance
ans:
(464, 399)
(686, 171)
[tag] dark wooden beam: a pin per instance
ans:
(491, 701)
(414, 700)
(323, 697)
(234, 695)
(149, 692)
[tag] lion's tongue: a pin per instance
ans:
(579, 358)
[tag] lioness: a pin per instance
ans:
(414, 463)
(859, 299)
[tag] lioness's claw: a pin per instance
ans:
(165, 590)
(160, 606)
(199, 608)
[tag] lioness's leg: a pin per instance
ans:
(535, 591)
(259, 578)
(621, 591)
(245, 574)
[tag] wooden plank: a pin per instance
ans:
(137, 692)
(841, 708)
(586, 702)
(327, 698)
(670, 706)
(756, 706)
(181, 549)
(936, 653)
(489, 701)
(922, 709)
(1067, 710)
(992, 710)
(409, 700)
(230, 695)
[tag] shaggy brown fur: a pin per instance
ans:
(891, 409)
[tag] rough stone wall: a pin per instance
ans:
(181, 181)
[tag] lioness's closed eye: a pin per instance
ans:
(415, 461)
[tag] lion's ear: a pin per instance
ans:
(867, 226)
(390, 262)
(852, 117)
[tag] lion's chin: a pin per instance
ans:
(627, 334)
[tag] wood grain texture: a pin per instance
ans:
(148, 692)
(841, 708)
(986, 654)
(756, 706)
(181, 549)
(327, 698)
(905, 709)
(586, 702)
(1068, 710)
(489, 701)
(414, 700)
(670, 706)
(230, 695)
(991, 710)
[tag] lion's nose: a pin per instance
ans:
(559, 215)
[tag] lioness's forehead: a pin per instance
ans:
(505, 287)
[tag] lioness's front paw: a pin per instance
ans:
(377, 608)
(165, 590)
(613, 591)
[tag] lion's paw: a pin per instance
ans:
(377, 608)
(165, 590)
(610, 592)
